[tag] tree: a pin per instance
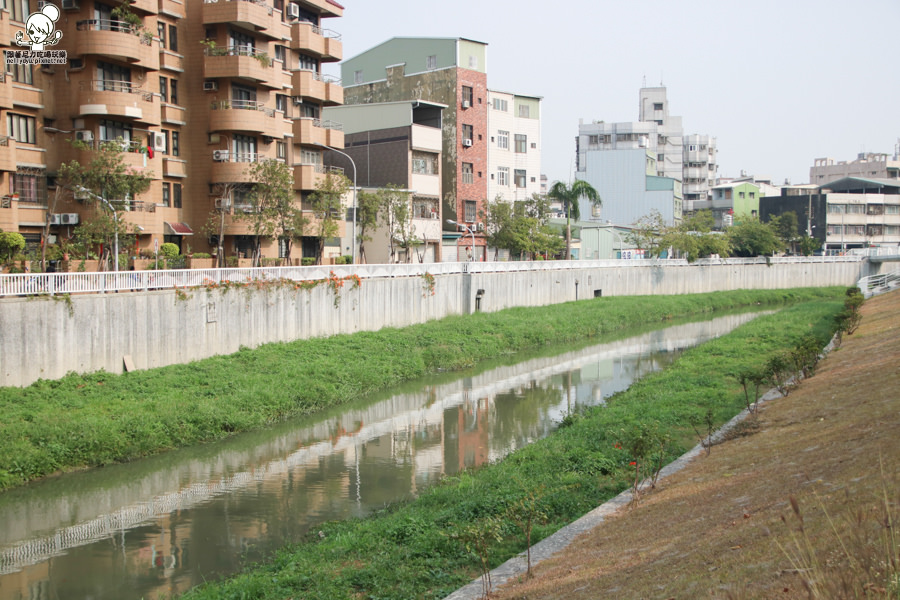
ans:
(326, 207)
(368, 207)
(497, 217)
(808, 245)
(11, 243)
(397, 217)
(785, 227)
(107, 178)
(274, 213)
(214, 228)
(569, 197)
(752, 238)
(647, 232)
(694, 237)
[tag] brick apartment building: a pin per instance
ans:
(195, 91)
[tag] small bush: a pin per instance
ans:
(169, 250)
(307, 261)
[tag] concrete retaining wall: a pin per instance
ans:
(46, 337)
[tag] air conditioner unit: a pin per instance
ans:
(298, 100)
(210, 86)
(54, 219)
(223, 203)
(467, 143)
(465, 104)
(159, 141)
(267, 139)
(85, 135)
(220, 155)
(294, 10)
(69, 219)
(69, 5)
(479, 227)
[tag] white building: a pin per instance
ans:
(867, 165)
(700, 167)
(514, 148)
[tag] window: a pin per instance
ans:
(173, 43)
(113, 77)
(753, 194)
(310, 157)
(308, 63)
(176, 195)
(175, 144)
(468, 174)
(657, 106)
(473, 62)
(19, 9)
(310, 111)
(30, 185)
(503, 176)
(243, 97)
(281, 150)
(114, 130)
(524, 111)
(503, 140)
(501, 104)
(165, 133)
(891, 209)
(167, 193)
(357, 77)
(470, 211)
(281, 103)
(280, 52)
(467, 95)
(521, 177)
(161, 33)
(21, 128)
(21, 73)
(424, 163)
(593, 140)
(521, 143)
(173, 91)
(244, 148)
(164, 89)
(431, 62)
(468, 132)
(241, 42)
(740, 194)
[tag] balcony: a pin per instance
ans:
(7, 153)
(245, 115)
(314, 132)
(232, 167)
(325, 44)
(249, 14)
(241, 62)
(134, 156)
(172, 114)
(6, 28)
(173, 8)
(326, 8)
(324, 88)
(115, 38)
(174, 167)
(171, 61)
(150, 7)
(6, 95)
(117, 98)
(307, 177)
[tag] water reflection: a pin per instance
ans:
(163, 525)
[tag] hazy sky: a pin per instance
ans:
(778, 83)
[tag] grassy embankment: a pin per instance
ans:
(417, 549)
(91, 420)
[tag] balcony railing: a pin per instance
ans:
(111, 85)
(251, 51)
(242, 157)
(242, 105)
(257, 2)
(117, 26)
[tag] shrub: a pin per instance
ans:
(11, 243)
(307, 261)
(202, 255)
(169, 250)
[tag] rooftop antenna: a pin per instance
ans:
(661, 84)
(644, 82)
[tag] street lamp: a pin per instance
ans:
(468, 230)
(612, 230)
(84, 190)
(353, 238)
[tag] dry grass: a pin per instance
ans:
(724, 527)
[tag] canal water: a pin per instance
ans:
(159, 526)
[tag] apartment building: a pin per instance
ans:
(195, 92)
(692, 159)
(396, 144)
(867, 164)
(514, 149)
(449, 71)
(847, 215)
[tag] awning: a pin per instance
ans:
(178, 229)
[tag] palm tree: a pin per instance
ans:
(569, 196)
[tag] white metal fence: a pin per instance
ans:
(29, 284)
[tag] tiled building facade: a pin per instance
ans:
(195, 92)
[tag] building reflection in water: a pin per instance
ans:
(243, 498)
